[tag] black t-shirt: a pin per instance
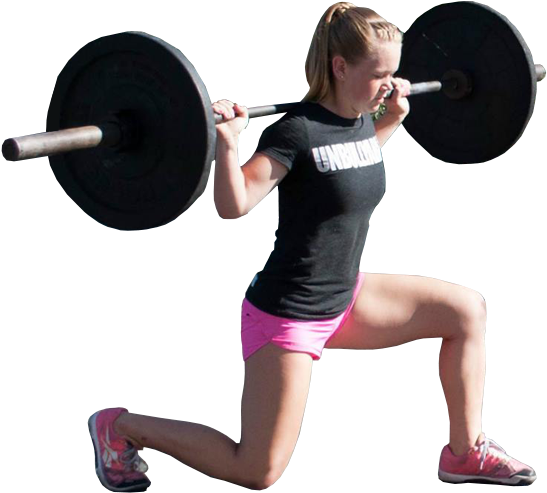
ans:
(336, 179)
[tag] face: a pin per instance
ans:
(365, 83)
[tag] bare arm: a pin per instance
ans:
(238, 189)
(229, 191)
(397, 110)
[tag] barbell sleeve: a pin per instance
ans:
(60, 141)
(422, 88)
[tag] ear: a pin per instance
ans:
(339, 68)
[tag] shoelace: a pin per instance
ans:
(133, 461)
(496, 451)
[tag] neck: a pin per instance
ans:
(340, 107)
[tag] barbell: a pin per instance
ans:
(131, 133)
(111, 133)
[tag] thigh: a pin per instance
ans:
(275, 392)
(393, 309)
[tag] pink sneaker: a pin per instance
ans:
(117, 462)
(486, 463)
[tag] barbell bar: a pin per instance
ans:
(111, 134)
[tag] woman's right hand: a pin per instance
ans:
(236, 119)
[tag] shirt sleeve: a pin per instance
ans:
(285, 140)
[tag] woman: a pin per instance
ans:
(325, 158)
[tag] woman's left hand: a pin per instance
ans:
(397, 105)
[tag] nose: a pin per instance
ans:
(387, 86)
(386, 90)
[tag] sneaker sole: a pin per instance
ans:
(92, 425)
(515, 480)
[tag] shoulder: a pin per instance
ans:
(290, 130)
(292, 121)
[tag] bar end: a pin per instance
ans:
(11, 150)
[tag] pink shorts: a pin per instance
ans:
(258, 328)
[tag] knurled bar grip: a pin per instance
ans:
(110, 134)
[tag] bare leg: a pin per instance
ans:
(274, 398)
(196, 445)
(395, 309)
(462, 366)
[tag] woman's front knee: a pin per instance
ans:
(471, 307)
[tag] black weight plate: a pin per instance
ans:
(473, 38)
(141, 77)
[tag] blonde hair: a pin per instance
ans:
(349, 31)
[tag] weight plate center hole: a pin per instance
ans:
(457, 84)
(130, 131)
